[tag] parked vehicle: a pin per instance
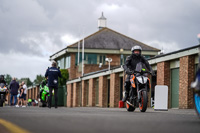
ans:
(3, 92)
(140, 85)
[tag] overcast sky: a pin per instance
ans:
(32, 30)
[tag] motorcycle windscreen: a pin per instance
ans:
(2, 85)
(140, 67)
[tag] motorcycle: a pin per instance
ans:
(140, 85)
(44, 96)
(196, 86)
(3, 92)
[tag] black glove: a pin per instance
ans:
(128, 71)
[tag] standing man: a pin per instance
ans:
(53, 73)
(14, 86)
(25, 92)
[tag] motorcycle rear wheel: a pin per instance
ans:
(143, 102)
(197, 103)
(129, 108)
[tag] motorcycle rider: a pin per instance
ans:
(130, 65)
(2, 79)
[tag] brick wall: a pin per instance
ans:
(103, 91)
(163, 77)
(114, 89)
(69, 95)
(186, 76)
(75, 94)
(72, 70)
(92, 92)
(84, 93)
(115, 59)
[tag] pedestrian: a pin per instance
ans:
(24, 94)
(21, 97)
(14, 86)
(53, 73)
(20, 85)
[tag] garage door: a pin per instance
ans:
(175, 88)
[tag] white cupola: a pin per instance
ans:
(101, 22)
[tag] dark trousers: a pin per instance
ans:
(55, 95)
(127, 84)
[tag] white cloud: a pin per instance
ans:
(166, 47)
(22, 65)
(68, 39)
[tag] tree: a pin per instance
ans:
(38, 79)
(27, 81)
(65, 76)
(8, 78)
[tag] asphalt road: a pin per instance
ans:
(101, 120)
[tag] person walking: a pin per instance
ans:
(14, 86)
(53, 73)
(24, 94)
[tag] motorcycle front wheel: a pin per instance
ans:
(129, 108)
(197, 104)
(143, 101)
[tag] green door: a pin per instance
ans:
(175, 88)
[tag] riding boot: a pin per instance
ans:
(126, 86)
(125, 97)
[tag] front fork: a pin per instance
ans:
(139, 91)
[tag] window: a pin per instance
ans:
(62, 63)
(67, 62)
(146, 56)
(123, 59)
(90, 58)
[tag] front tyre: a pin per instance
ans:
(129, 108)
(143, 102)
(197, 104)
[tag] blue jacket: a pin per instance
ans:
(53, 73)
(14, 86)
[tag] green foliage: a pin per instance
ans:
(27, 81)
(8, 78)
(65, 76)
(38, 79)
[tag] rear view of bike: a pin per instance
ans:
(3, 91)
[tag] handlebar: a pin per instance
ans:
(135, 72)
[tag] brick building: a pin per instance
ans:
(104, 88)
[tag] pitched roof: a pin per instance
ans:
(110, 39)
